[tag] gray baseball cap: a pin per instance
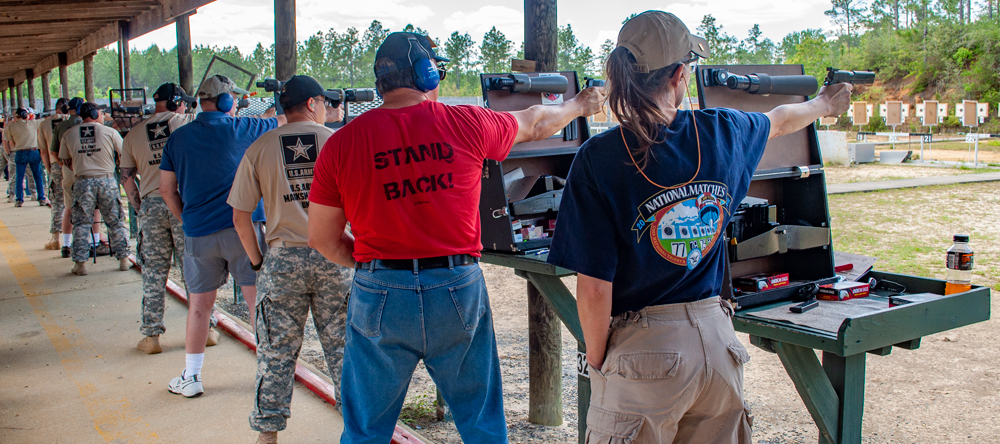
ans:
(218, 85)
(658, 39)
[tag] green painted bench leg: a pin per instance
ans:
(814, 387)
(847, 374)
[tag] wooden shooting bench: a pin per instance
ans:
(833, 390)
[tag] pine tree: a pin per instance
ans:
(496, 51)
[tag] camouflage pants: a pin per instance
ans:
(161, 237)
(294, 280)
(103, 194)
(56, 198)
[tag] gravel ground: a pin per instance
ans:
(874, 172)
(947, 391)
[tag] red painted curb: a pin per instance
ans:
(312, 381)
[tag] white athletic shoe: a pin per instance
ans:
(189, 387)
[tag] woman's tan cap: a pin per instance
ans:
(658, 39)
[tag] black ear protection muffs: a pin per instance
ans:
(63, 106)
(22, 113)
(89, 111)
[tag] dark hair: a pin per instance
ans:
(632, 98)
(62, 105)
(301, 106)
(393, 80)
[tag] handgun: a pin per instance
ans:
(834, 75)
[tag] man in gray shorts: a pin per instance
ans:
(196, 173)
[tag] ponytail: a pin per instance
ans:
(632, 96)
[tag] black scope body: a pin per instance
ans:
(765, 84)
(353, 95)
(521, 83)
(271, 85)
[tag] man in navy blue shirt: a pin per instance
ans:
(196, 173)
(641, 221)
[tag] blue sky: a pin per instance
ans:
(244, 23)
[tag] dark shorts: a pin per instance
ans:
(209, 259)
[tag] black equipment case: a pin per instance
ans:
(790, 232)
(518, 214)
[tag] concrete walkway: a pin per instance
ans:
(69, 371)
(860, 187)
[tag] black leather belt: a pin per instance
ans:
(457, 260)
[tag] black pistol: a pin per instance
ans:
(834, 75)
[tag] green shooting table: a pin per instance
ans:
(833, 390)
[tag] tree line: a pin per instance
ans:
(941, 49)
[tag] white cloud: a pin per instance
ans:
(478, 23)
(321, 15)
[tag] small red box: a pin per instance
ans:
(842, 291)
(761, 282)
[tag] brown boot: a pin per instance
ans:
(79, 268)
(213, 337)
(150, 345)
(53, 243)
(267, 438)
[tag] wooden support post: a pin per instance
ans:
(10, 98)
(124, 71)
(29, 75)
(20, 99)
(541, 33)
(847, 374)
(46, 92)
(64, 75)
(3, 101)
(544, 361)
(88, 77)
(814, 387)
(185, 62)
(284, 39)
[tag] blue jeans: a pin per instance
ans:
(398, 317)
(33, 159)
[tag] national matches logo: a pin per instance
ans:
(299, 155)
(684, 224)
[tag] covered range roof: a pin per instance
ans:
(33, 33)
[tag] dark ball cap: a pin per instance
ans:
(75, 103)
(300, 88)
(404, 48)
(172, 92)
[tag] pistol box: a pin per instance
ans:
(842, 291)
(528, 184)
(786, 219)
(761, 282)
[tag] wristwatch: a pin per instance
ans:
(257, 266)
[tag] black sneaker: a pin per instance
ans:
(66, 251)
(18, 204)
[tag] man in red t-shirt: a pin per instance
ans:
(407, 176)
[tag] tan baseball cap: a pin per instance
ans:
(658, 39)
(218, 85)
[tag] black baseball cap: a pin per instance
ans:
(402, 48)
(75, 103)
(300, 88)
(172, 92)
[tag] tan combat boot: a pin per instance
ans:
(213, 337)
(150, 345)
(79, 268)
(267, 438)
(124, 264)
(53, 243)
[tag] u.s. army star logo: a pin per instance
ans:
(298, 152)
(87, 131)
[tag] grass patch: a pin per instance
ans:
(419, 410)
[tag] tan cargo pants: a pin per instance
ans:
(673, 374)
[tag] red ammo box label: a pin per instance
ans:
(842, 291)
(761, 282)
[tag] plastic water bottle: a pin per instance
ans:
(959, 262)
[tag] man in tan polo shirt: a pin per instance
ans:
(22, 143)
(293, 278)
(88, 149)
(160, 231)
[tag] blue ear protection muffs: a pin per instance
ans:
(425, 72)
(224, 102)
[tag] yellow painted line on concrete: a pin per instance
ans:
(113, 417)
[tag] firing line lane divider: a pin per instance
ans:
(305, 373)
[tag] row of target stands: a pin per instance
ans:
(931, 113)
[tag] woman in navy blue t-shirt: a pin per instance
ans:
(641, 221)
